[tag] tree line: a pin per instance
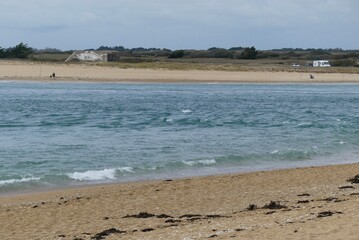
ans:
(20, 51)
(233, 53)
(213, 52)
(350, 56)
(337, 56)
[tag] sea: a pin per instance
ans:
(62, 135)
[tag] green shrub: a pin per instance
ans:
(249, 53)
(21, 51)
(176, 54)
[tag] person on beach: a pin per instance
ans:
(53, 75)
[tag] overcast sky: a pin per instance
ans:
(180, 24)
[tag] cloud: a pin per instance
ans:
(181, 23)
(48, 28)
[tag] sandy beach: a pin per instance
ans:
(303, 203)
(17, 70)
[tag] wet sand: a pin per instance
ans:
(17, 70)
(303, 203)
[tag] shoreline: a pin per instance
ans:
(314, 202)
(91, 73)
(165, 178)
(63, 80)
(19, 193)
(62, 188)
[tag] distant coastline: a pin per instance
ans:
(34, 71)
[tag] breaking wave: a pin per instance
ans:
(200, 162)
(97, 175)
(22, 180)
(186, 111)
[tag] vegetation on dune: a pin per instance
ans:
(20, 51)
(249, 53)
(176, 54)
(214, 58)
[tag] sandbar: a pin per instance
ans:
(34, 71)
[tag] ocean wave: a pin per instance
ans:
(305, 124)
(97, 175)
(31, 163)
(168, 120)
(291, 154)
(186, 111)
(94, 175)
(275, 152)
(200, 162)
(125, 169)
(22, 180)
(275, 155)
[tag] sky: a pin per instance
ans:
(180, 24)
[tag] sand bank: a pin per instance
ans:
(310, 203)
(82, 72)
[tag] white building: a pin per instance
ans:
(87, 56)
(321, 63)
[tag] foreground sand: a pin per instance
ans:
(84, 72)
(319, 204)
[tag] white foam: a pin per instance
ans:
(125, 169)
(186, 111)
(189, 163)
(22, 180)
(305, 124)
(207, 162)
(203, 162)
(275, 152)
(94, 175)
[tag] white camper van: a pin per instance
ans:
(321, 63)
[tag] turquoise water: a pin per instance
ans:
(70, 134)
